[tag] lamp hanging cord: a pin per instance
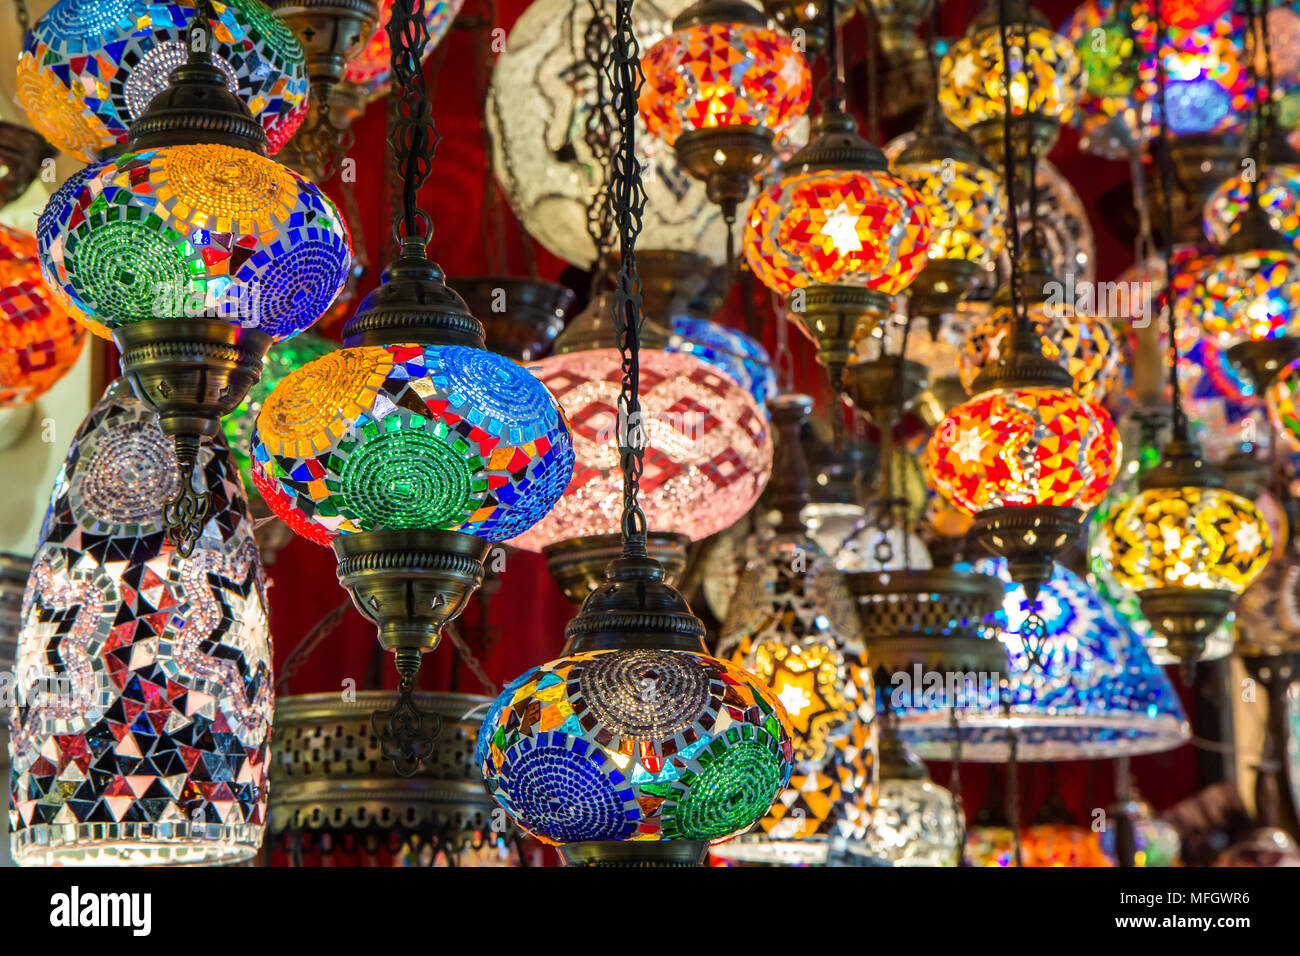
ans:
(834, 102)
(598, 133)
(1009, 163)
(627, 194)
(1180, 425)
(413, 137)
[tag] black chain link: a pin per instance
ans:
(599, 132)
(1009, 162)
(413, 137)
(627, 197)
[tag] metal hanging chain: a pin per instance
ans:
(311, 640)
(599, 133)
(413, 137)
(954, 783)
(628, 198)
(470, 659)
(1009, 164)
(1180, 424)
(873, 75)
(833, 91)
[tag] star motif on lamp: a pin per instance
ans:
(841, 227)
(969, 446)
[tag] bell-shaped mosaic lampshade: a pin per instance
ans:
(144, 692)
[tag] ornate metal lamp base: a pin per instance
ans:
(670, 281)
(1186, 617)
(22, 152)
(897, 29)
(521, 317)
(837, 318)
(930, 620)
(332, 32)
(1030, 538)
(941, 285)
(884, 387)
(578, 565)
(191, 372)
(1029, 131)
(726, 159)
(1263, 359)
(409, 583)
(636, 853)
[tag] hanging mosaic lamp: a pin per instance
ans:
(542, 95)
(1155, 841)
(916, 821)
(728, 350)
(708, 459)
(1046, 79)
(89, 68)
(635, 747)
(792, 624)
(158, 755)
(965, 200)
(412, 448)
(1094, 692)
(335, 800)
(194, 252)
(39, 341)
(1068, 328)
(721, 89)
(839, 235)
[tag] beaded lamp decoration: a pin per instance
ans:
(721, 89)
(412, 448)
(1092, 693)
(792, 624)
(981, 88)
(159, 753)
(39, 341)
(1025, 455)
(195, 252)
(742, 358)
(838, 235)
(89, 69)
(544, 96)
(1186, 544)
(635, 747)
(369, 69)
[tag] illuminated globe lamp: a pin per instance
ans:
(964, 197)
(1026, 456)
(1156, 842)
(1046, 81)
(916, 821)
(791, 623)
(88, 70)
(155, 749)
(1087, 346)
(39, 341)
(194, 252)
(708, 459)
(839, 236)
(721, 89)
(728, 350)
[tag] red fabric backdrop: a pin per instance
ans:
(528, 613)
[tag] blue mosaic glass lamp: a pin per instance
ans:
(412, 448)
(635, 748)
(1093, 694)
(194, 252)
(728, 350)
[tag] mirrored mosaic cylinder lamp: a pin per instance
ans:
(335, 799)
(194, 252)
(916, 821)
(88, 70)
(144, 698)
(411, 449)
(792, 624)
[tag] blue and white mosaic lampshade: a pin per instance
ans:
(1093, 694)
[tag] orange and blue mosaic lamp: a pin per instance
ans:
(635, 745)
(89, 68)
(203, 230)
(411, 436)
(39, 341)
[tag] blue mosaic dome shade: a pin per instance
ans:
(1094, 693)
(635, 745)
(733, 353)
